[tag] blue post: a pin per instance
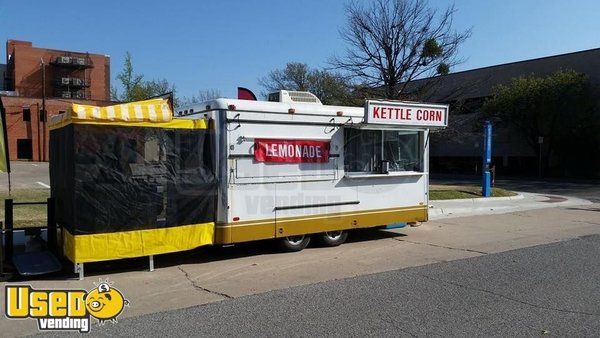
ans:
(486, 183)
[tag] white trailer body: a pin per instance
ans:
(374, 172)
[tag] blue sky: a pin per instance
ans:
(224, 44)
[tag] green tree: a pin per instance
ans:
(560, 107)
(330, 88)
(392, 42)
(135, 88)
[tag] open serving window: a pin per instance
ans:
(129, 183)
(383, 151)
(392, 139)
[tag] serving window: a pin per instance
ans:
(374, 151)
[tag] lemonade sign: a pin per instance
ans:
(65, 310)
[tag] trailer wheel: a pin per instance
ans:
(333, 238)
(293, 243)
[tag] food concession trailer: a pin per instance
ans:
(137, 180)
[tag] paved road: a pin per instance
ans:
(27, 175)
(544, 289)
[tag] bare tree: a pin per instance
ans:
(207, 95)
(295, 76)
(203, 95)
(391, 42)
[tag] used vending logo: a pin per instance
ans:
(65, 310)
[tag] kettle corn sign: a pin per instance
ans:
(65, 310)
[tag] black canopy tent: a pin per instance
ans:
(129, 182)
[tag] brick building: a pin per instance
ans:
(34, 78)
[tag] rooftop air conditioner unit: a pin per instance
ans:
(292, 96)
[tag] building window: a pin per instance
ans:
(43, 116)
(26, 114)
(24, 149)
(365, 150)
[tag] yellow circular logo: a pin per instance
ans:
(105, 303)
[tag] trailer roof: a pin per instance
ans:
(386, 113)
(270, 107)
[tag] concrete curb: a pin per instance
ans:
(497, 205)
(519, 196)
(435, 213)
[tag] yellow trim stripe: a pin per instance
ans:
(136, 243)
(237, 232)
(173, 124)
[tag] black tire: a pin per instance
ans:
(293, 243)
(332, 238)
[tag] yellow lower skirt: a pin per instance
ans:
(136, 243)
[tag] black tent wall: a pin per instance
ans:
(107, 178)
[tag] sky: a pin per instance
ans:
(212, 44)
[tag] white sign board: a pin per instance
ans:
(406, 113)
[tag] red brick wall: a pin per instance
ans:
(35, 130)
(27, 76)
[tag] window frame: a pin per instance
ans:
(421, 152)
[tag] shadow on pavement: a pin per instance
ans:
(196, 256)
(584, 209)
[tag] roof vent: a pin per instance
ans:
(292, 96)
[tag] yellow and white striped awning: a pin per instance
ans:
(155, 110)
(154, 113)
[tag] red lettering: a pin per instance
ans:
(405, 114)
(392, 113)
(376, 112)
(438, 115)
(426, 115)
